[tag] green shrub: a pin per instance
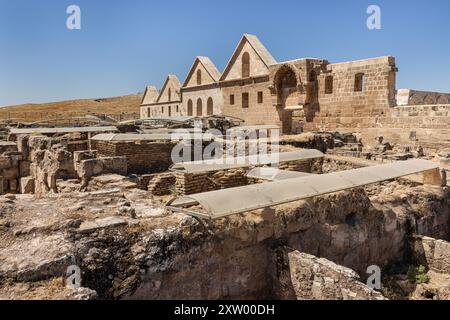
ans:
(417, 275)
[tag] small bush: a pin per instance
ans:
(418, 275)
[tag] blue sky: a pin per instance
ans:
(125, 45)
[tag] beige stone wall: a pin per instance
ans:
(203, 93)
(346, 108)
(173, 108)
(257, 66)
(256, 113)
(205, 78)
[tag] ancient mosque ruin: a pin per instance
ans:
(350, 175)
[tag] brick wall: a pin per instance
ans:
(142, 156)
(190, 183)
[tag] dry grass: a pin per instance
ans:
(124, 105)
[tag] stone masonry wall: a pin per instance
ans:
(143, 157)
(190, 183)
(347, 108)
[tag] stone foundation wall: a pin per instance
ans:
(162, 184)
(427, 126)
(143, 157)
(190, 183)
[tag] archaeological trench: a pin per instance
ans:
(101, 204)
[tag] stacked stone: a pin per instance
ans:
(162, 184)
(193, 183)
(297, 165)
(12, 167)
(190, 183)
(143, 156)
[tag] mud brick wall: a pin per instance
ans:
(143, 157)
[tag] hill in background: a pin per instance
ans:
(122, 108)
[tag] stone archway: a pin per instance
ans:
(286, 84)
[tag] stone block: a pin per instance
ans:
(26, 185)
(11, 173)
(12, 185)
(5, 162)
(7, 146)
(24, 168)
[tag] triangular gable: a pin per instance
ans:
(150, 95)
(263, 55)
(172, 83)
(208, 69)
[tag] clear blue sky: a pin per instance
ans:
(125, 45)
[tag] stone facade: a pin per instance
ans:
(302, 94)
(168, 102)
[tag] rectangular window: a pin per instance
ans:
(245, 100)
(329, 85)
(232, 99)
(260, 97)
(359, 82)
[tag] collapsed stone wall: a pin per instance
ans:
(142, 156)
(432, 253)
(306, 277)
(12, 167)
(50, 160)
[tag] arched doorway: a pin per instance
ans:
(199, 107)
(210, 107)
(190, 108)
(288, 95)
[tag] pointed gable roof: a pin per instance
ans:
(170, 78)
(259, 48)
(209, 67)
(150, 95)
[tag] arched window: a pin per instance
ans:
(170, 111)
(199, 77)
(359, 82)
(199, 107)
(328, 84)
(209, 107)
(170, 94)
(190, 110)
(245, 65)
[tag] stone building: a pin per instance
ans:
(301, 94)
(167, 102)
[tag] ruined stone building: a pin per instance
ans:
(302, 94)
